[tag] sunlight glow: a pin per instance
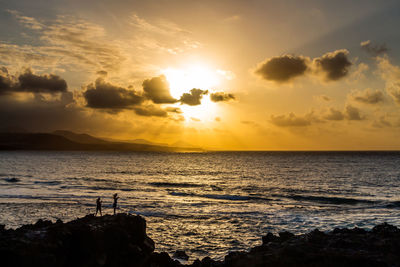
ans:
(198, 76)
(194, 76)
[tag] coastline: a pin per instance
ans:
(121, 240)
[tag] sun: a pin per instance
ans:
(198, 76)
(193, 76)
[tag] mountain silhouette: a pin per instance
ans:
(69, 141)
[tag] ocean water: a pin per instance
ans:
(206, 203)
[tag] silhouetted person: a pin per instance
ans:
(98, 206)
(115, 197)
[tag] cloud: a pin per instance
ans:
(31, 83)
(193, 98)
(103, 95)
(381, 122)
(47, 83)
(394, 91)
(374, 50)
(368, 96)
(353, 113)
(221, 96)
(102, 73)
(29, 22)
(150, 110)
(293, 120)
(333, 65)
(391, 75)
(6, 84)
(322, 98)
(283, 68)
(65, 41)
(162, 36)
(157, 89)
(334, 115)
(349, 113)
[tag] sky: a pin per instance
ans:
(224, 75)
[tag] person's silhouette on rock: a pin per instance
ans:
(98, 206)
(115, 197)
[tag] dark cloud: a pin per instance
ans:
(333, 65)
(283, 68)
(349, 113)
(292, 120)
(150, 110)
(174, 110)
(31, 83)
(38, 114)
(221, 96)
(193, 98)
(157, 90)
(47, 83)
(103, 95)
(6, 85)
(334, 115)
(368, 96)
(353, 113)
(374, 50)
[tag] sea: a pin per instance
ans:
(206, 203)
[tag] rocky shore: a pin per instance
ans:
(121, 240)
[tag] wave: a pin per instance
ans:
(393, 204)
(166, 184)
(12, 180)
(48, 182)
(330, 200)
(219, 197)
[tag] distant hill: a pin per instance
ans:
(182, 144)
(80, 138)
(68, 141)
(144, 141)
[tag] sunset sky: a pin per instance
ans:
(229, 75)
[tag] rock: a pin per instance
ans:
(161, 260)
(269, 238)
(119, 240)
(385, 229)
(285, 235)
(181, 254)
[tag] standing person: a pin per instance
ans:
(98, 206)
(115, 197)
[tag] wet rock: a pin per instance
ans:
(181, 254)
(121, 240)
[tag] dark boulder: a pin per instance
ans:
(181, 254)
(119, 240)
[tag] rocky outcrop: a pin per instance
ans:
(121, 240)
(340, 247)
